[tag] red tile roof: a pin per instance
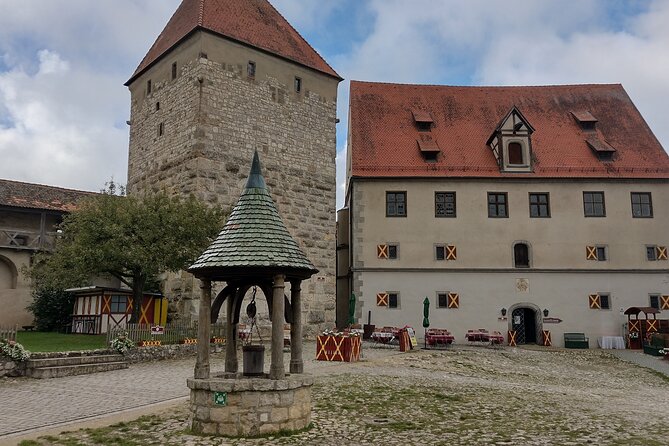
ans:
(383, 132)
(252, 22)
(38, 196)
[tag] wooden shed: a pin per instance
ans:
(99, 309)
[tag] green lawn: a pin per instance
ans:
(58, 342)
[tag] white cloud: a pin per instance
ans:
(59, 125)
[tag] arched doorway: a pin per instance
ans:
(525, 321)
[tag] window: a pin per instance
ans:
(440, 252)
(599, 301)
(157, 106)
(161, 129)
(642, 206)
(396, 204)
(593, 204)
(654, 301)
(119, 304)
(387, 251)
(497, 205)
(521, 255)
(654, 252)
(251, 69)
(424, 126)
(515, 150)
(148, 86)
(174, 70)
(598, 252)
(604, 299)
(444, 204)
(393, 300)
(447, 299)
(298, 84)
(539, 206)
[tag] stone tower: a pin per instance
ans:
(225, 78)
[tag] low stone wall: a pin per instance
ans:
(9, 367)
(173, 351)
(233, 405)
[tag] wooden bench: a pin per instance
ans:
(576, 340)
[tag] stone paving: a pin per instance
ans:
(465, 395)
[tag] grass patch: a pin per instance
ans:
(36, 341)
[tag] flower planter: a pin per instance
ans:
(338, 348)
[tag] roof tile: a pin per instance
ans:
(253, 22)
(38, 196)
(384, 134)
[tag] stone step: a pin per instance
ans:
(71, 370)
(73, 360)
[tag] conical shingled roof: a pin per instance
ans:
(254, 241)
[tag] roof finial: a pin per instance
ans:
(256, 179)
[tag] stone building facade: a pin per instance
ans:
(509, 208)
(209, 93)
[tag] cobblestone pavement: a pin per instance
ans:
(462, 396)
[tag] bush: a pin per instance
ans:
(52, 309)
(13, 350)
(122, 343)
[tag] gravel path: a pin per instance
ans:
(462, 396)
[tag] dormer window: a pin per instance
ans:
(428, 146)
(511, 143)
(423, 120)
(515, 151)
(585, 120)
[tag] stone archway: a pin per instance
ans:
(527, 321)
(8, 274)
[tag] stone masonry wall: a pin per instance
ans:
(213, 118)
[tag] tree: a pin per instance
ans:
(131, 238)
(52, 308)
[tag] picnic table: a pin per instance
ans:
(482, 335)
(386, 335)
(436, 336)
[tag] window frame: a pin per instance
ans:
(395, 194)
(515, 261)
(390, 299)
(601, 301)
(653, 249)
(605, 253)
(393, 247)
(657, 297)
(585, 209)
(251, 67)
(297, 84)
(497, 204)
(445, 194)
(521, 147)
(649, 204)
(539, 205)
(445, 294)
(437, 247)
(115, 301)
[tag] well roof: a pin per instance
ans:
(254, 242)
(251, 22)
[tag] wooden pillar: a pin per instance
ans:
(231, 334)
(296, 362)
(276, 370)
(203, 331)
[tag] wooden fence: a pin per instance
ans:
(8, 333)
(174, 332)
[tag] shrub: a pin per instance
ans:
(122, 343)
(52, 309)
(13, 350)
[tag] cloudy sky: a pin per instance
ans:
(63, 63)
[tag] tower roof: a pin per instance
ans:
(251, 22)
(254, 241)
